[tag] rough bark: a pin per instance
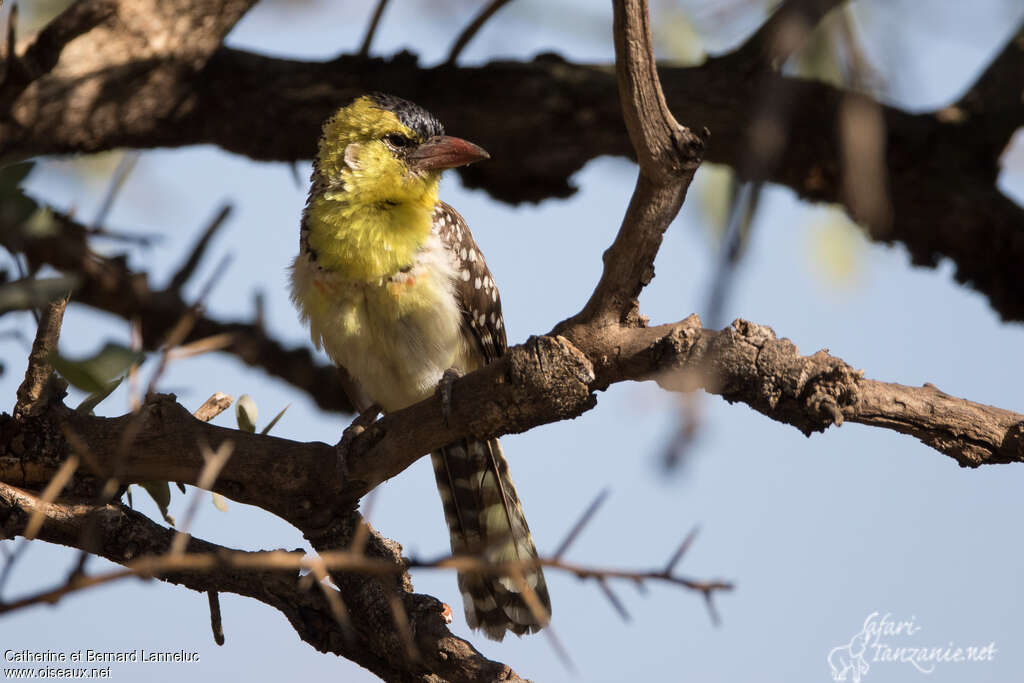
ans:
(941, 166)
(120, 534)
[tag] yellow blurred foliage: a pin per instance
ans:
(714, 195)
(676, 38)
(819, 59)
(836, 247)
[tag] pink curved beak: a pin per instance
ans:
(444, 151)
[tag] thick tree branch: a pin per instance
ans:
(546, 380)
(59, 113)
(668, 155)
(125, 535)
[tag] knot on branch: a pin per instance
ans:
(811, 393)
(832, 387)
(163, 409)
(673, 357)
(553, 369)
(689, 149)
(1013, 444)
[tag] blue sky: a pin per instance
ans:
(817, 533)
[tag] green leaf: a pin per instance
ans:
(93, 374)
(266, 430)
(97, 397)
(32, 293)
(160, 492)
(246, 413)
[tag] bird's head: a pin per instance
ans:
(386, 149)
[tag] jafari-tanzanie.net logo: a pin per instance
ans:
(883, 640)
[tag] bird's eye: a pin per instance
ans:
(398, 141)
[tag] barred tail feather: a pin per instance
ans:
(485, 518)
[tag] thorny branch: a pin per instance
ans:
(125, 535)
(473, 28)
(16, 505)
(549, 378)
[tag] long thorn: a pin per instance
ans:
(613, 598)
(588, 514)
(681, 550)
(371, 30)
(195, 256)
(474, 27)
(124, 168)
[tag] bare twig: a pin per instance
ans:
(668, 155)
(214, 406)
(49, 494)
(125, 166)
(216, 624)
(319, 570)
(371, 29)
(32, 392)
(613, 599)
(184, 272)
(345, 561)
(540, 614)
(584, 519)
(681, 550)
(206, 345)
(215, 462)
(38, 515)
(186, 323)
(709, 602)
(473, 28)
(401, 619)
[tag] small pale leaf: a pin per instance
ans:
(93, 374)
(246, 412)
(220, 502)
(160, 492)
(97, 397)
(33, 293)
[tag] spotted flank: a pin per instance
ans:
(474, 287)
(485, 518)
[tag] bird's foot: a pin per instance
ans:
(444, 387)
(358, 426)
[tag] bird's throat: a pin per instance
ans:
(364, 241)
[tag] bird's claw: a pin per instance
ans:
(444, 387)
(358, 426)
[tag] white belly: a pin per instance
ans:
(395, 338)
